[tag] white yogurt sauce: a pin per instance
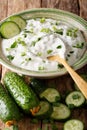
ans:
(40, 39)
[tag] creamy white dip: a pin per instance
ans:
(40, 39)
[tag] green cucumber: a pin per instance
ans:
(20, 91)
(60, 112)
(38, 85)
(19, 21)
(73, 124)
(51, 95)
(45, 110)
(75, 98)
(9, 29)
(9, 110)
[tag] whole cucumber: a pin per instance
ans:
(20, 91)
(9, 110)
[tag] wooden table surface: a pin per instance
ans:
(79, 7)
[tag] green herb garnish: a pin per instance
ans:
(28, 59)
(72, 32)
(41, 68)
(71, 52)
(49, 51)
(23, 54)
(10, 57)
(68, 55)
(59, 47)
(59, 31)
(8, 49)
(25, 35)
(60, 66)
(14, 44)
(34, 42)
(39, 53)
(79, 45)
(20, 41)
(46, 30)
(42, 20)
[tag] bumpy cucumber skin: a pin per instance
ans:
(8, 108)
(37, 85)
(47, 113)
(20, 91)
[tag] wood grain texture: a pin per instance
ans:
(83, 8)
(3, 8)
(15, 6)
(63, 84)
(68, 5)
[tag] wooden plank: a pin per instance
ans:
(26, 124)
(3, 9)
(83, 8)
(32, 4)
(15, 6)
(68, 5)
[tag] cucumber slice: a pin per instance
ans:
(73, 124)
(51, 95)
(60, 112)
(19, 21)
(9, 29)
(45, 110)
(75, 98)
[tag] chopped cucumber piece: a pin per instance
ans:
(60, 112)
(75, 98)
(50, 94)
(9, 29)
(19, 21)
(73, 124)
(45, 110)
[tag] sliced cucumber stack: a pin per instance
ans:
(60, 112)
(45, 110)
(12, 26)
(74, 124)
(19, 21)
(51, 95)
(75, 98)
(9, 29)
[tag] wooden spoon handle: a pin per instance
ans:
(82, 85)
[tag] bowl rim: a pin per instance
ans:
(70, 15)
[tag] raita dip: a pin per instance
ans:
(41, 38)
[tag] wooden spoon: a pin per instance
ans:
(82, 85)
